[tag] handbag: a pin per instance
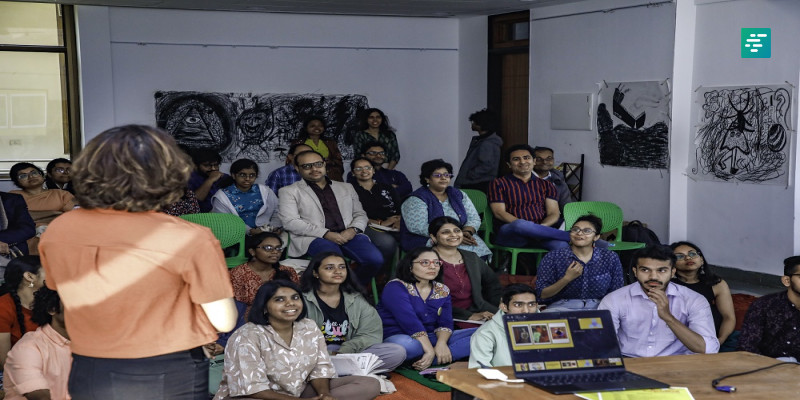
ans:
(13, 252)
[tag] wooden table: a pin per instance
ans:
(694, 371)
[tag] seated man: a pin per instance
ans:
(287, 174)
(206, 177)
(489, 344)
(772, 324)
(654, 318)
(376, 154)
(321, 215)
(526, 205)
(543, 162)
(38, 365)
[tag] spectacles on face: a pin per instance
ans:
(585, 231)
(359, 169)
(429, 263)
(62, 170)
(32, 174)
(269, 248)
(308, 166)
(375, 153)
(242, 175)
(690, 254)
(438, 175)
(547, 160)
(332, 267)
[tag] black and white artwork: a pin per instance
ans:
(633, 124)
(744, 134)
(256, 126)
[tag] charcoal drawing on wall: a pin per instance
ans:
(743, 134)
(255, 126)
(633, 124)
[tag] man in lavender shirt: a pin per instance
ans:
(654, 318)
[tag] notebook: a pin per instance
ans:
(570, 352)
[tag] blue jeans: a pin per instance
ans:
(524, 233)
(359, 249)
(573, 305)
(458, 344)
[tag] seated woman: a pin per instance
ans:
(474, 288)
(265, 251)
(375, 126)
(17, 226)
(38, 366)
(280, 354)
(311, 135)
(693, 272)
(417, 312)
(24, 276)
(44, 205)
(58, 175)
(436, 198)
(255, 204)
(348, 321)
(579, 276)
(382, 206)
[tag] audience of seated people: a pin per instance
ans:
(349, 323)
(683, 325)
(16, 226)
(434, 199)
(375, 152)
(578, 276)
(543, 163)
(416, 310)
(772, 324)
(206, 177)
(58, 175)
(38, 366)
(489, 344)
(692, 271)
(23, 277)
(287, 174)
(482, 160)
(44, 205)
(312, 136)
(322, 215)
(256, 204)
(382, 205)
(375, 127)
(279, 353)
(474, 287)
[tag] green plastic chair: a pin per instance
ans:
(481, 203)
(229, 229)
(610, 213)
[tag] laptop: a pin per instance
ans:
(570, 352)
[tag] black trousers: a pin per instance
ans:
(179, 376)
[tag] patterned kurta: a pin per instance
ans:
(257, 359)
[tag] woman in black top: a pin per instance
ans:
(382, 206)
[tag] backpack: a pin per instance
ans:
(635, 231)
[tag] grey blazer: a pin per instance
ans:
(301, 213)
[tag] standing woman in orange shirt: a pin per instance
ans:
(143, 291)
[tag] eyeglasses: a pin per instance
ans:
(359, 169)
(269, 248)
(375, 153)
(437, 175)
(308, 166)
(31, 174)
(540, 159)
(585, 231)
(429, 263)
(246, 176)
(62, 170)
(331, 267)
(690, 254)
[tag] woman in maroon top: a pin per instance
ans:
(265, 251)
(474, 287)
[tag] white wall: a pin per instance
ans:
(473, 45)
(571, 54)
(408, 67)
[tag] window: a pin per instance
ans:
(38, 84)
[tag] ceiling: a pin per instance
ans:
(406, 8)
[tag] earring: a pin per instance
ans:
(30, 284)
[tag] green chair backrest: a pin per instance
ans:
(481, 204)
(228, 228)
(610, 213)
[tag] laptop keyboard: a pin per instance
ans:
(559, 380)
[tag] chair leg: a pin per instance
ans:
(375, 291)
(514, 263)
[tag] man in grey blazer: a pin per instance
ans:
(323, 215)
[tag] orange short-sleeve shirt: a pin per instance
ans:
(132, 283)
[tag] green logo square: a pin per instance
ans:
(756, 43)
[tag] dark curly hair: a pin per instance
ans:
(45, 301)
(19, 167)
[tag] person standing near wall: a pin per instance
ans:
(480, 164)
